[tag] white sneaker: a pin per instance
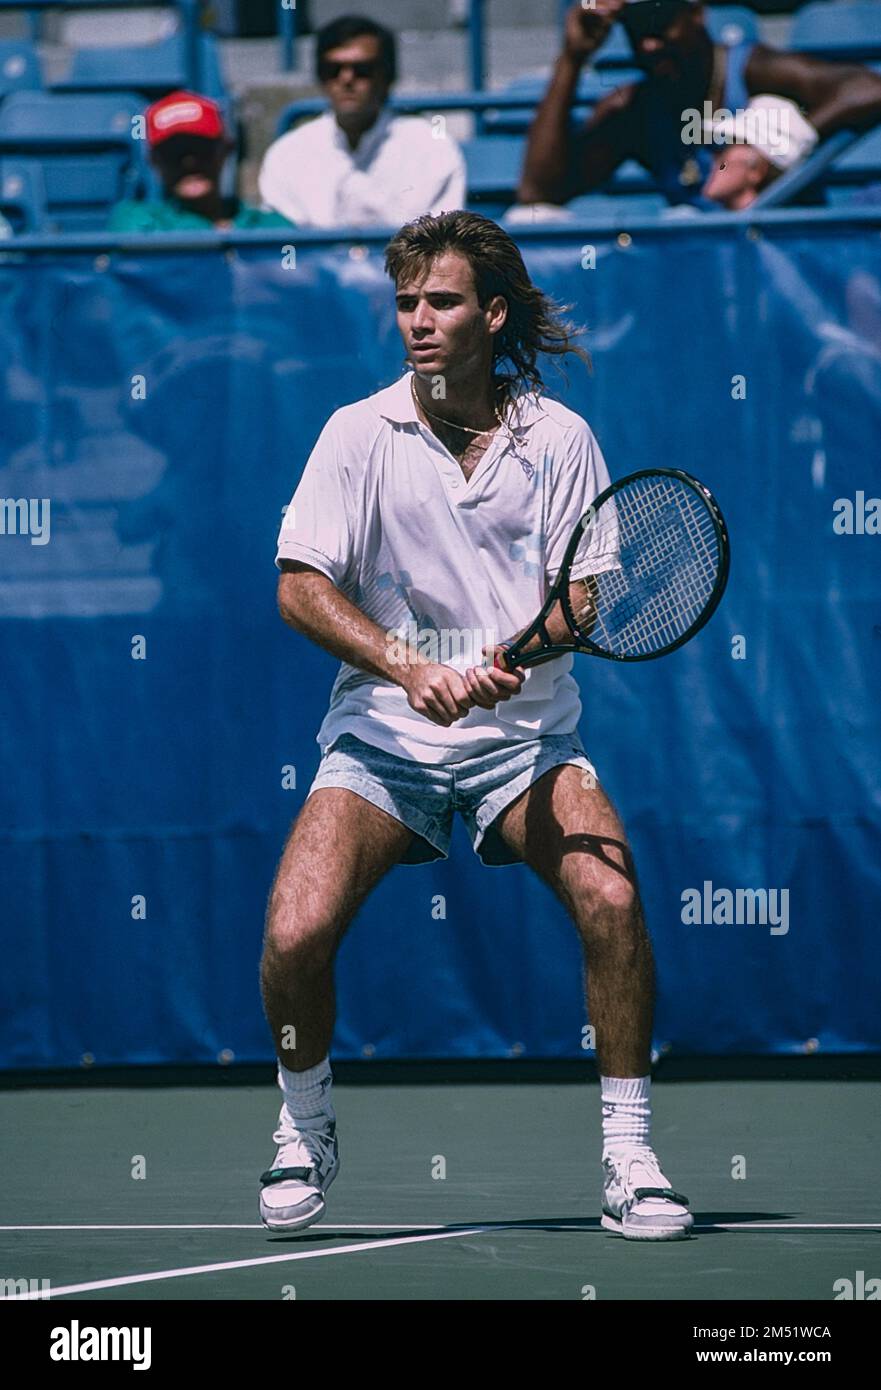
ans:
(638, 1201)
(292, 1190)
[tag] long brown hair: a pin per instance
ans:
(535, 323)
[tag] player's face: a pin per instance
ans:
(445, 331)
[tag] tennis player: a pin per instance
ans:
(429, 523)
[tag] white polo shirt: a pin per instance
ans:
(401, 169)
(383, 509)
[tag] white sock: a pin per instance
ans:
(307, 1093)
(627, 1112)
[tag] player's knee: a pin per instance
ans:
(305, 946)
(607, 905)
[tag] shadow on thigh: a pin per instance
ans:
(571, 836)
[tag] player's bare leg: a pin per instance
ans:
(570, 835)
(339, 848)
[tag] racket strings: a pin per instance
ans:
(662, 539)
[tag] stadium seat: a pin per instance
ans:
(493, 164)
(860, 164)
(532, 87)
(85, 148)
(630, 179)
(849, 31)
(23, 195)
(154, 69)
(19, 68)
(150, 68)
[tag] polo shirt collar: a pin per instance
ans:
(398, 407)
(370, 140)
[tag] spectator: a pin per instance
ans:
(188, 147)
(759, 144)
(684, 69)
(359, 165)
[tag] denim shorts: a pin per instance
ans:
(424, 796)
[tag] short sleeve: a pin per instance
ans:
(579, 476)
(316, 529)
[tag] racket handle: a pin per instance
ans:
(501, 662)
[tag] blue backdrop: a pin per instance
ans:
(166, 403)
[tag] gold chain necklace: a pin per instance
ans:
(451, 424)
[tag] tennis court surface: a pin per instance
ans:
(456, 1191)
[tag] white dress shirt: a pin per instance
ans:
(384, 510)
(403, 166)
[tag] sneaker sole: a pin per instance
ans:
(610, 1223)
(299, 1223)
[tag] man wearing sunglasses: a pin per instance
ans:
(359, 165)
(684, 68)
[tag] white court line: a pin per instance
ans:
(243, 1226)
(433, 1226)
(791, 1226)
(127, 1279)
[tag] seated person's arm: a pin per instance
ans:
(549, 169)
(834, 96)
(562, 163)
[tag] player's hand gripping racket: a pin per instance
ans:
(644, 570)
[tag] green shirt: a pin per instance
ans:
(168, 215)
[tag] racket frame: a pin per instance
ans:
(512, 651)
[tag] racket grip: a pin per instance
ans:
(500, 662)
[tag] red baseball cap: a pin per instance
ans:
(183, 113)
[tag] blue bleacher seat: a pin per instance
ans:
(85, 148)
(19, 68)
(592, 88)
(154, 69)
(850, 31)
(493, 164)
(630, 178)
(859, 164)
(150, 68)
(23, 195)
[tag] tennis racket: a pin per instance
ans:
(644, 570)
